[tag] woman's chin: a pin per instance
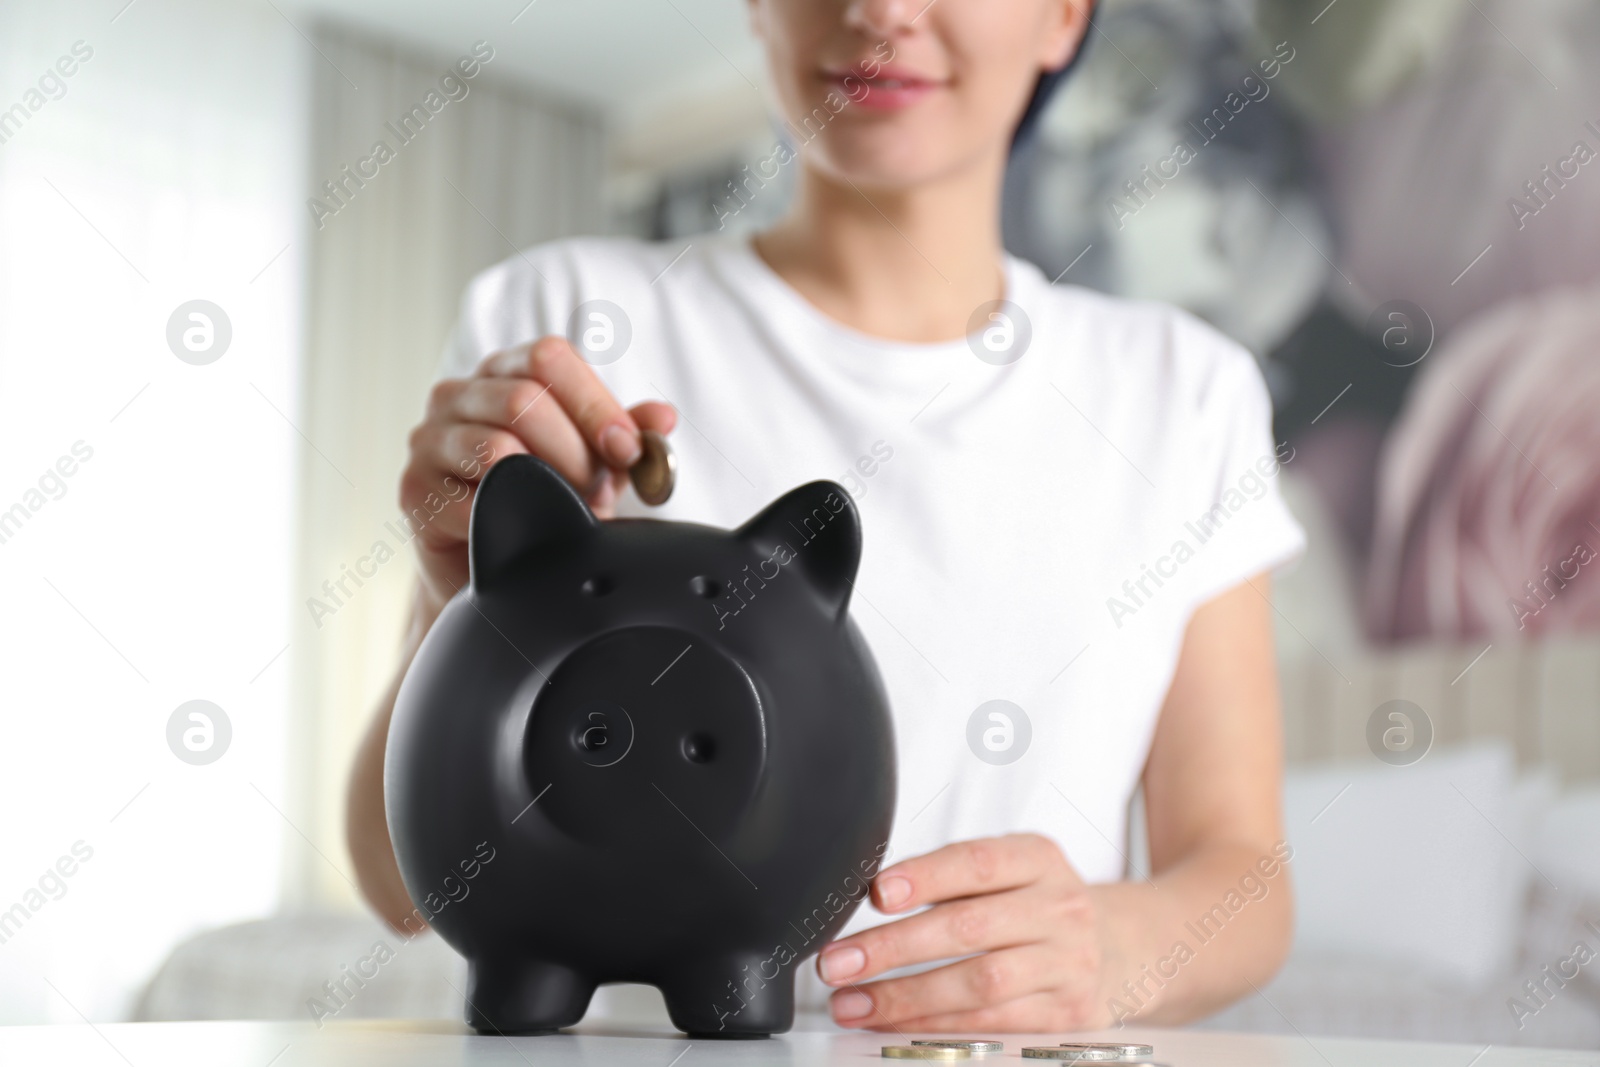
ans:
(881, 165)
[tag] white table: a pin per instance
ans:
(438, 1044)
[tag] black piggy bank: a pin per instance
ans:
(642, 751)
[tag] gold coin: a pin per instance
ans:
(924, 1052)
(656, 470)
(1124, 1051)
(970, 1044)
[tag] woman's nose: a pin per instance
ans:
(882, 17)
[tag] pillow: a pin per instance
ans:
(1568, 845)
(1412, 864)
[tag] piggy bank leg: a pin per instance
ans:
(732, 997)
(525, 996)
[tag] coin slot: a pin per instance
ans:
(699, 748)
(709, 588)
(599, 585)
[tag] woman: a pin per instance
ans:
(1067, 501)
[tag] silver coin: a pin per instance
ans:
(970, 1044)
(1080, 1053)
(1107, 1054)
(1125, 1051)
(925, 1052)
(656, 470)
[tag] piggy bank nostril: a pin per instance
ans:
(709, 588)
(601, 735)
(599, 585)
(699, 748)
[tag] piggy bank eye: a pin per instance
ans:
(709, 588)
(599, 585)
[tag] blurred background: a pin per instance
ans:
(213, 342)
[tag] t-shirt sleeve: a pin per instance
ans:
(1240, 510)
(533, 293)
(459, 359)
(499, 307)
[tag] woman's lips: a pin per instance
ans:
(883, 92)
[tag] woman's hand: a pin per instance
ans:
(1014, 906)
(540, 398)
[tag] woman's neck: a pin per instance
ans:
(905, 265)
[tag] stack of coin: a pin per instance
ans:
(1095, 1052)
(977, 1046)
(1057, 1052)
(1079, 1053)
(925, 1052)
(1118, 1051)
(1083, 1053)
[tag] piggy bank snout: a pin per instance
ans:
(602, 733)
(642, 735)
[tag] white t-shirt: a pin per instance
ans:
(1004, 505)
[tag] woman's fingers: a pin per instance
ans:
(958, 928)
(447, 461)
(507, 402)
(983, 981)
(539, 398)
(654, 415)
(966, 868)
(521, 406)
(1011, 905)
(605, 426)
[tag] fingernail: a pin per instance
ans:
(851, 1005)
(620, 446)
(840, 963)
(893, 892)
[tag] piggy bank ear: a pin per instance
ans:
(522, 506)
(815, 531)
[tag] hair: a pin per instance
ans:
(1045, 89)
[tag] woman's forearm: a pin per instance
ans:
(366, 822)
(1197, 936)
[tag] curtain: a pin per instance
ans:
(151, 156)
(476, 169)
